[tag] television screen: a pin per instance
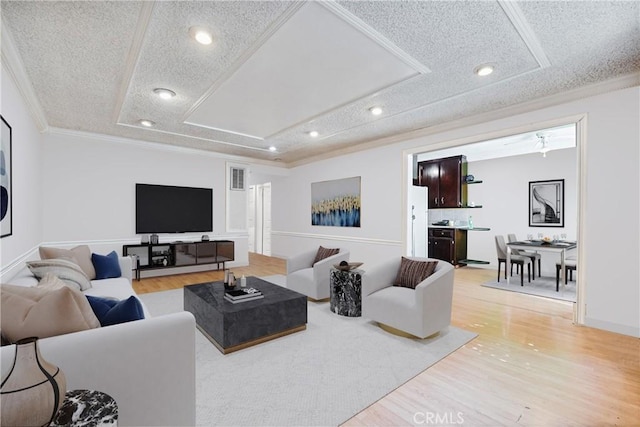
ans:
(170, 209)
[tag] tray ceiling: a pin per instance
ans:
(279, 70)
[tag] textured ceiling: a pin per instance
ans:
(93, 66)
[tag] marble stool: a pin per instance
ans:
(345, 289)
(86, 408)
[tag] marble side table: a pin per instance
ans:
(86, 408)
(345, 290)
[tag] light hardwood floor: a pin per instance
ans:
(528, 366)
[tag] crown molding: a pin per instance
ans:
(131, 63)
(623, 82)
(520, 23)
(12, 63)
(200, 138)
(375, 36)
(347, 17)
(275, 26)
(159, 146)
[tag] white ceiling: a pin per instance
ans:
(555, 138)
(277, 70)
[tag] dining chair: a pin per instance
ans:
(501, 248)
(535, 256)
(570, 265)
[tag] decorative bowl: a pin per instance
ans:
(547, 239)
(347, 267)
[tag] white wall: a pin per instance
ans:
(504, 195)
(89, 190)
(612, 186)
(376, 239)
(26, 176)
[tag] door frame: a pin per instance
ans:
(580, 120)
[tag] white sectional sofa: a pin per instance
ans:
(147, 366)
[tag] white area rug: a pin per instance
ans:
(541, 286)
(321, 376)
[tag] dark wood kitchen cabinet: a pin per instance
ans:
(444, 178)
(448, 244)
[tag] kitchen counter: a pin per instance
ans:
(460, 227)
(449, 243)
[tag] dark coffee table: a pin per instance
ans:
(232, 327)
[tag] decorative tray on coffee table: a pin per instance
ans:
(347, 267)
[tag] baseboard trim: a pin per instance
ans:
(613, 327)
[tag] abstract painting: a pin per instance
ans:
(6, 213)
(546, 203)
(336, 203)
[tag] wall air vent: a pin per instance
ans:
(237, 178)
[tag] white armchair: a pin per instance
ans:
(420, 312)
(311, 279)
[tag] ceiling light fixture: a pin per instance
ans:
(483, 70)
(272, 148)
(164, 93)
(147, 123)
(314, 134)
(376, 111)
(201, 35)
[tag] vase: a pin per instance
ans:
(34, 390)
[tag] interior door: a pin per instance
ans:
(259, 219)
(266, 219)
(251, 218)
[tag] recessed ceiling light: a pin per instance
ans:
(272, 148)
(313, 134)
(483, 70)
(164, 93)
(147, 123)
(201, 35)
(376, 111)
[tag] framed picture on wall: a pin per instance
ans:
(6, 205)
(546, 203)
(336, 203)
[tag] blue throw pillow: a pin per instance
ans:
(112, 312)
(107, 266)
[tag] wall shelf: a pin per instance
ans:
(474, 261)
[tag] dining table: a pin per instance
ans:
(556, 246)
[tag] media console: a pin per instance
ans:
(152, 256)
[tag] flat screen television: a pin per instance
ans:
(171, 209)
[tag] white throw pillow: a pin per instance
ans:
(65, 270)
(80, 254)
